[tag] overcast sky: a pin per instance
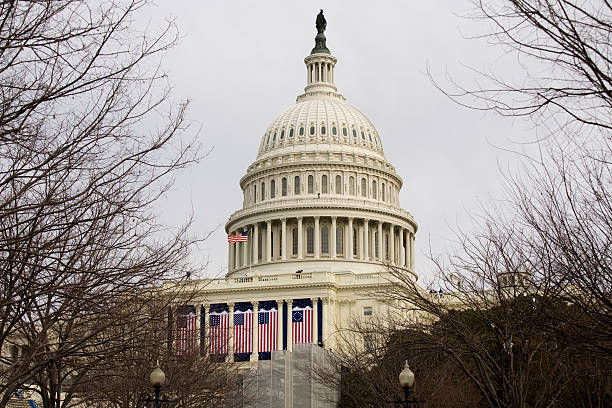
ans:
(241, 64)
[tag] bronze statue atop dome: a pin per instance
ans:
(321, 23)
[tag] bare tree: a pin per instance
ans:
(89, 138)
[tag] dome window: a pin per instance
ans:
(324, 240)
(272, 188)
(284, 186)
(283, 135)
(302, 131)
(322, 130)
(324, 184)
(369, 135)
(354, 133)
(268, 140)
(274, 137)
(312, 130)
(362, 135)
(291, 132)
(344, 133)
(334, 131)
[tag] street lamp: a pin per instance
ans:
(158, 379)
(406, 380)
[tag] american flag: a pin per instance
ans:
(219, 332)
(301, 321)
(267, 322)
(186, 334)
(243, 332)
(238, 237)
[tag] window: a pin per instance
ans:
(310, 184)
(386, 254)
(340, 239)
(362, 135)
(376, 244)
(272, 188)
(283, 135)
(355, 241)
(367, 310)
(364, 188)
(312, 130)
(383, 191)
(369, 135)
(260, 245)
(374, 189)
(310, 240)
(354, 133)
(295, 241)
(302, 131)
(324, 240)
(263, 191)
(324, 184)
(334, 131)
(352, 185)
(268, 140)
(274, 138)
(344, 133)
(322, 130)
(284, 186)
(254, 193)
(296, 185)
(338, 185)
(291, 132)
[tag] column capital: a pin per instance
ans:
(316, 217)
(284, 219)
(334, 217)
(300, 218)
(268, 222)
(279, 301)
(351, 219)
(314, 299)
(230, 305)
(289, 302)
(255, 303)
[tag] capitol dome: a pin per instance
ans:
(320, 195)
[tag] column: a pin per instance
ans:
(412, 252)
(289, 334)
(380, 242)
(231, 331)
(206, 328)
(392, 244)
(300, 239)
(268, 240)
(333, 237)
(407, 250)
(255, 355)
(279, 324)
(402, 253)
(230, 256)
(236, 253)
(317, 238)
(315, 320)
(245, 249)
(284, 238)
(366, 239)
(255, 245)
(350, 239)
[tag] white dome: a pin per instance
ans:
(322, 120)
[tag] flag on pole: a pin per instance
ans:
(243, 329)
(267, 324)
(219, 329)
(301, 321)
(243, 237)
(185, 329)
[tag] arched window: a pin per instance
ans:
(334, 131)
(324, 184)
(352, 185)
(364, 188)
(272, 188)
(324, 240)
(274, 137)
(374, 191)
(263, 191)
(260, 244)
(322, 130)
(254, 193)
(339, 239)
(338, 184)
(362, 135)
(310, 184)
(291, 132)
(295, 241)
(302, 131)
(310, 240)
(354, 133)
(344, 132)
(369, 135)
(312, 130)
(283, 135)
(386, 254)
(296, 185)
(284, 187)
(354, 241)
(383, 191)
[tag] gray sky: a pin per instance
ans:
(241, 64)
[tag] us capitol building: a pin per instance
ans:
(321, 216)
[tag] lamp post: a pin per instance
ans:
(158, 379)
(406, 380)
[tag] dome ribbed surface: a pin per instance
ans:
(317, 120)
